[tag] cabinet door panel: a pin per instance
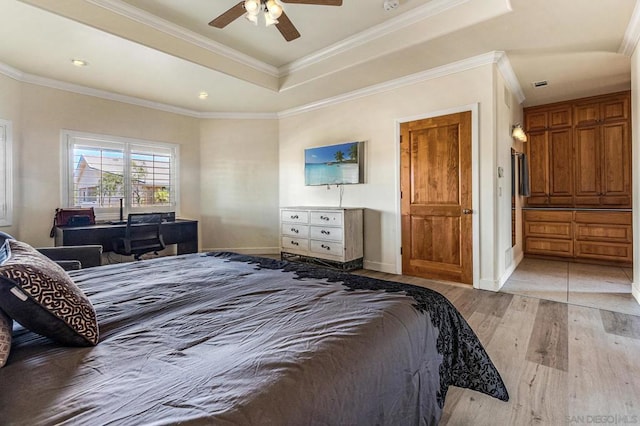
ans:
(561, 166)
(587, 165)
(615, 109)
(615, 154)
(586, 113)
(538, 167)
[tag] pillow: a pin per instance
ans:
(40, 295)
(5, 337)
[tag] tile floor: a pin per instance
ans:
(603, 287)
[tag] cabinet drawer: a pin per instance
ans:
(548, 229)
(605, 218)
(295, 243)
(549, 246)
(327, 248)
(326, 218)
(604, 251)
(294, 216)
(548, 216)
(326, 233)
(295, 230)
(599, 232)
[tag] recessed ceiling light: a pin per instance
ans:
(79, 62)
(203, 95)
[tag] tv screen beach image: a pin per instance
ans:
(333, 164)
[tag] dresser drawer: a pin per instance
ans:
(326, 233)
(295, 230)
(327, 248)
(294, 216)
(326, 218)
(295, 243)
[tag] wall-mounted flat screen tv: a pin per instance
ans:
(334, 164)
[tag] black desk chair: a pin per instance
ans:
(141, 236)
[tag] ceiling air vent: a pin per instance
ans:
(540, 83)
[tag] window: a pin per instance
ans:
(104, 171)
(6, 174)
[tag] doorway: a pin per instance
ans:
(436, 197)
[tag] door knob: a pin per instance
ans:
(467, 211)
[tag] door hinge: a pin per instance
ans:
(400, 138)
(400, 250)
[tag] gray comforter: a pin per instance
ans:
(236, 340)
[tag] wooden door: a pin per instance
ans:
(435, 181)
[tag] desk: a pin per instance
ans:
(182, 232)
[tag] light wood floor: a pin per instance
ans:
(563, 364)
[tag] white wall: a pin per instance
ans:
(239, 181)
(635, 161)
(508, 112)
(375, 119)
(45, 112)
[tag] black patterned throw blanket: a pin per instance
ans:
(228, 339)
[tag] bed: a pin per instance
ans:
(229, 339)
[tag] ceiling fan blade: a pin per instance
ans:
(229, 16)
(318, 2)
(286, 28)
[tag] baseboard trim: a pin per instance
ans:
(379, 266)
(510, 270)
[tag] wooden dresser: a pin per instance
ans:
(580, 178)
(327, 235)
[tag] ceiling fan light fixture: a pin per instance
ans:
(252, 18)
(252, 6)
(269, 20)
(274, 9)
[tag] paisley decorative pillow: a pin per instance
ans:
(40, 295)
(5, 337)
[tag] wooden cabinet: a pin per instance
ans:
(601, 109)
(585, 236)
(548, 233)
(604, 236)
(603, 154)
(579, 153)
(550, 154)
(323, 233)
(548, 117)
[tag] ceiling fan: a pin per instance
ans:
(273, 13)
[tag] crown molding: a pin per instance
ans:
(496, 57)
(155, 22)
(505, 68)
(9, 71)
(240, 115)
(632, 34)
(441, 71)
(434, 7)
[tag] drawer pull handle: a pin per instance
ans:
(324, 217)
(325, 232)
(325, 247)
(294, 243)
(294, 230)
(294, 216)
